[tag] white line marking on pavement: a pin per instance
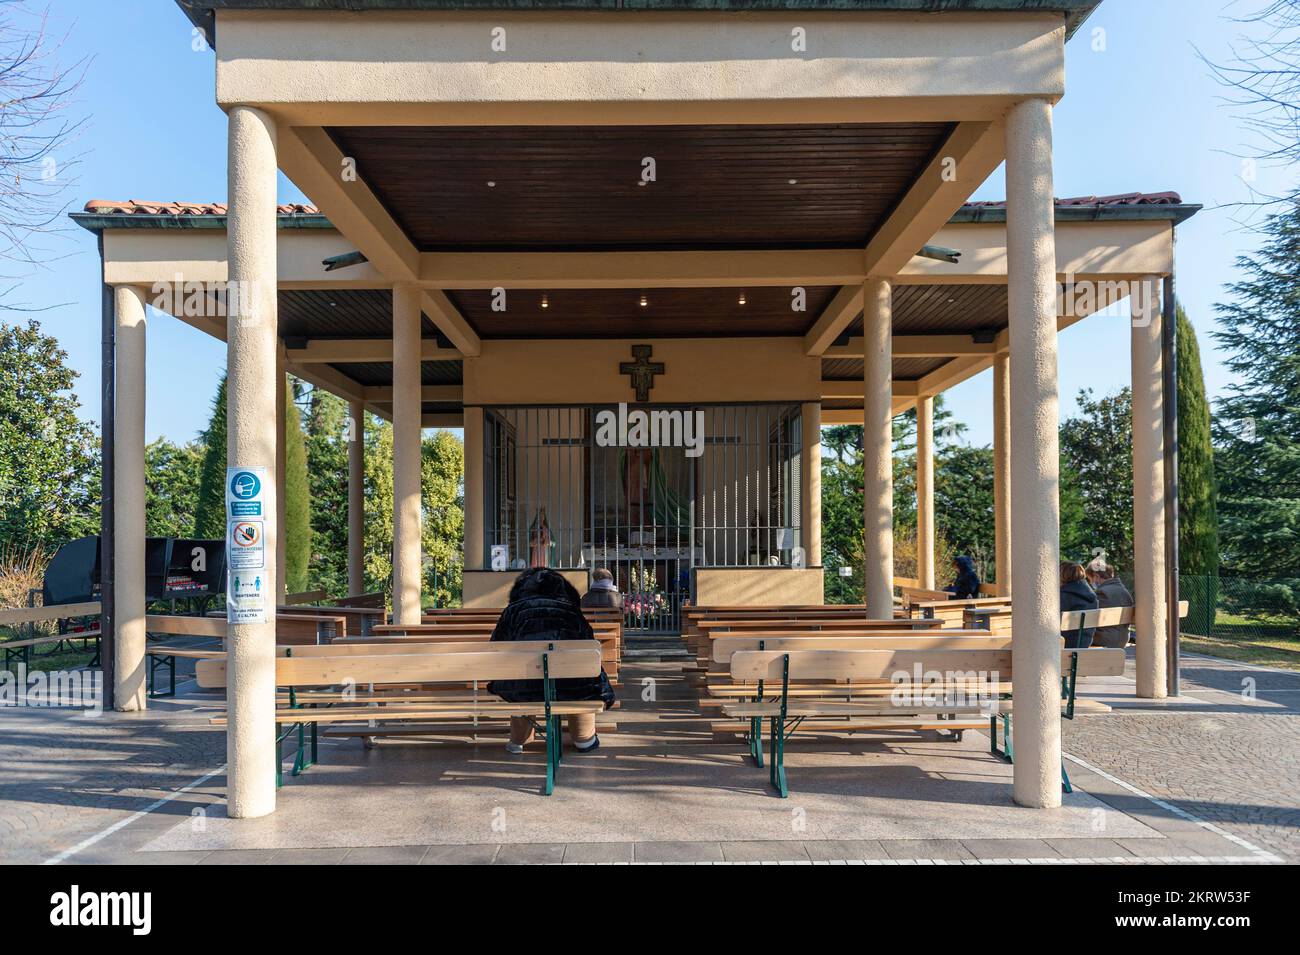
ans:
(140, 814)
(1263, 854)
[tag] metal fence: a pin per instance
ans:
(649, 498)
(1239, 608)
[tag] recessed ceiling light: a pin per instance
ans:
(644, 302)
(546, 303)
(492, 183)
(741, 300)
(794, 182)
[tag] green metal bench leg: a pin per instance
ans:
(777, 772)
(1065, 780)
(313, 744)
(279, 772)
(756, 740)
(550, 763)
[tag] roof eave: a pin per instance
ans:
(202, 13)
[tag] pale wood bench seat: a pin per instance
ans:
(535, 660)
(979, 675)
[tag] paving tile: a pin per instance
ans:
(385, 855)
(1089, 848)
(239, 857)
(827, 849)
(530, 853)
(599, 852)
(1009, 848)
(678, 852)
(774, 850)
(460, 855)
(308, 856)
(925, 849)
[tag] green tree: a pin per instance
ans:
(1097, 465)
(210, 511)
(49, 459)
(327, 468)
(297, 498)
(172, 473)
(963, 504)
(1257, 427)
(378, 509)
(442, 529)
(1198, 521)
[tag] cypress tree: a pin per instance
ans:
(210, 514)
(1198, 525)
(297, 499)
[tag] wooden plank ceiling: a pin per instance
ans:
(581, 188)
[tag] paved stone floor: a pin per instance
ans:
(147, 789)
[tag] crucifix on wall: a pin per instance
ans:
(642, 371)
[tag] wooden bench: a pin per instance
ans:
(608, 633)
(20, 651)
(515, 661)
(969, 690)
(360, 619)
(291, 629)
(949, 612)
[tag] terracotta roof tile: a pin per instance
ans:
(147, 208)
(1126, 199)
(142, 207)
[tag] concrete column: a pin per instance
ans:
(251, 336)
(925, 491)
(1002, 471)
(810, 502)
(1149, 597)
(877, 447)
(281, 425)
(1035, 465)
(475, 558)
(128, 513)
(406, 454)
(356, 438)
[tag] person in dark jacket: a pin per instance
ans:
(603, 592)
(1111, 592)
(1076, 595)
(544, 606)
(967, 585)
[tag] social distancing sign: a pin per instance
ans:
(246, 600)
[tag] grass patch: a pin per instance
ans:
(1270, 651)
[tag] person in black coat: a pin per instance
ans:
(544, 606)
(1076, 595)
(967, 585)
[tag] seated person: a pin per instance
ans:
(544, 606)
(1076, 595)
(1111, 592)
(603, 592)
(967, 585)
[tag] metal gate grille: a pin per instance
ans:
(718, 489)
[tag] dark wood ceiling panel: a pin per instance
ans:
(617, 313)
(341, 313)
(903, 369)
(580, 187)
(946, 309)
(381, 372)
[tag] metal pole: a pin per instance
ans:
(108, 374)
(1169, 360)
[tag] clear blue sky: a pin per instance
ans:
(1142, 115)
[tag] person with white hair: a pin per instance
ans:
(1111, 592)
